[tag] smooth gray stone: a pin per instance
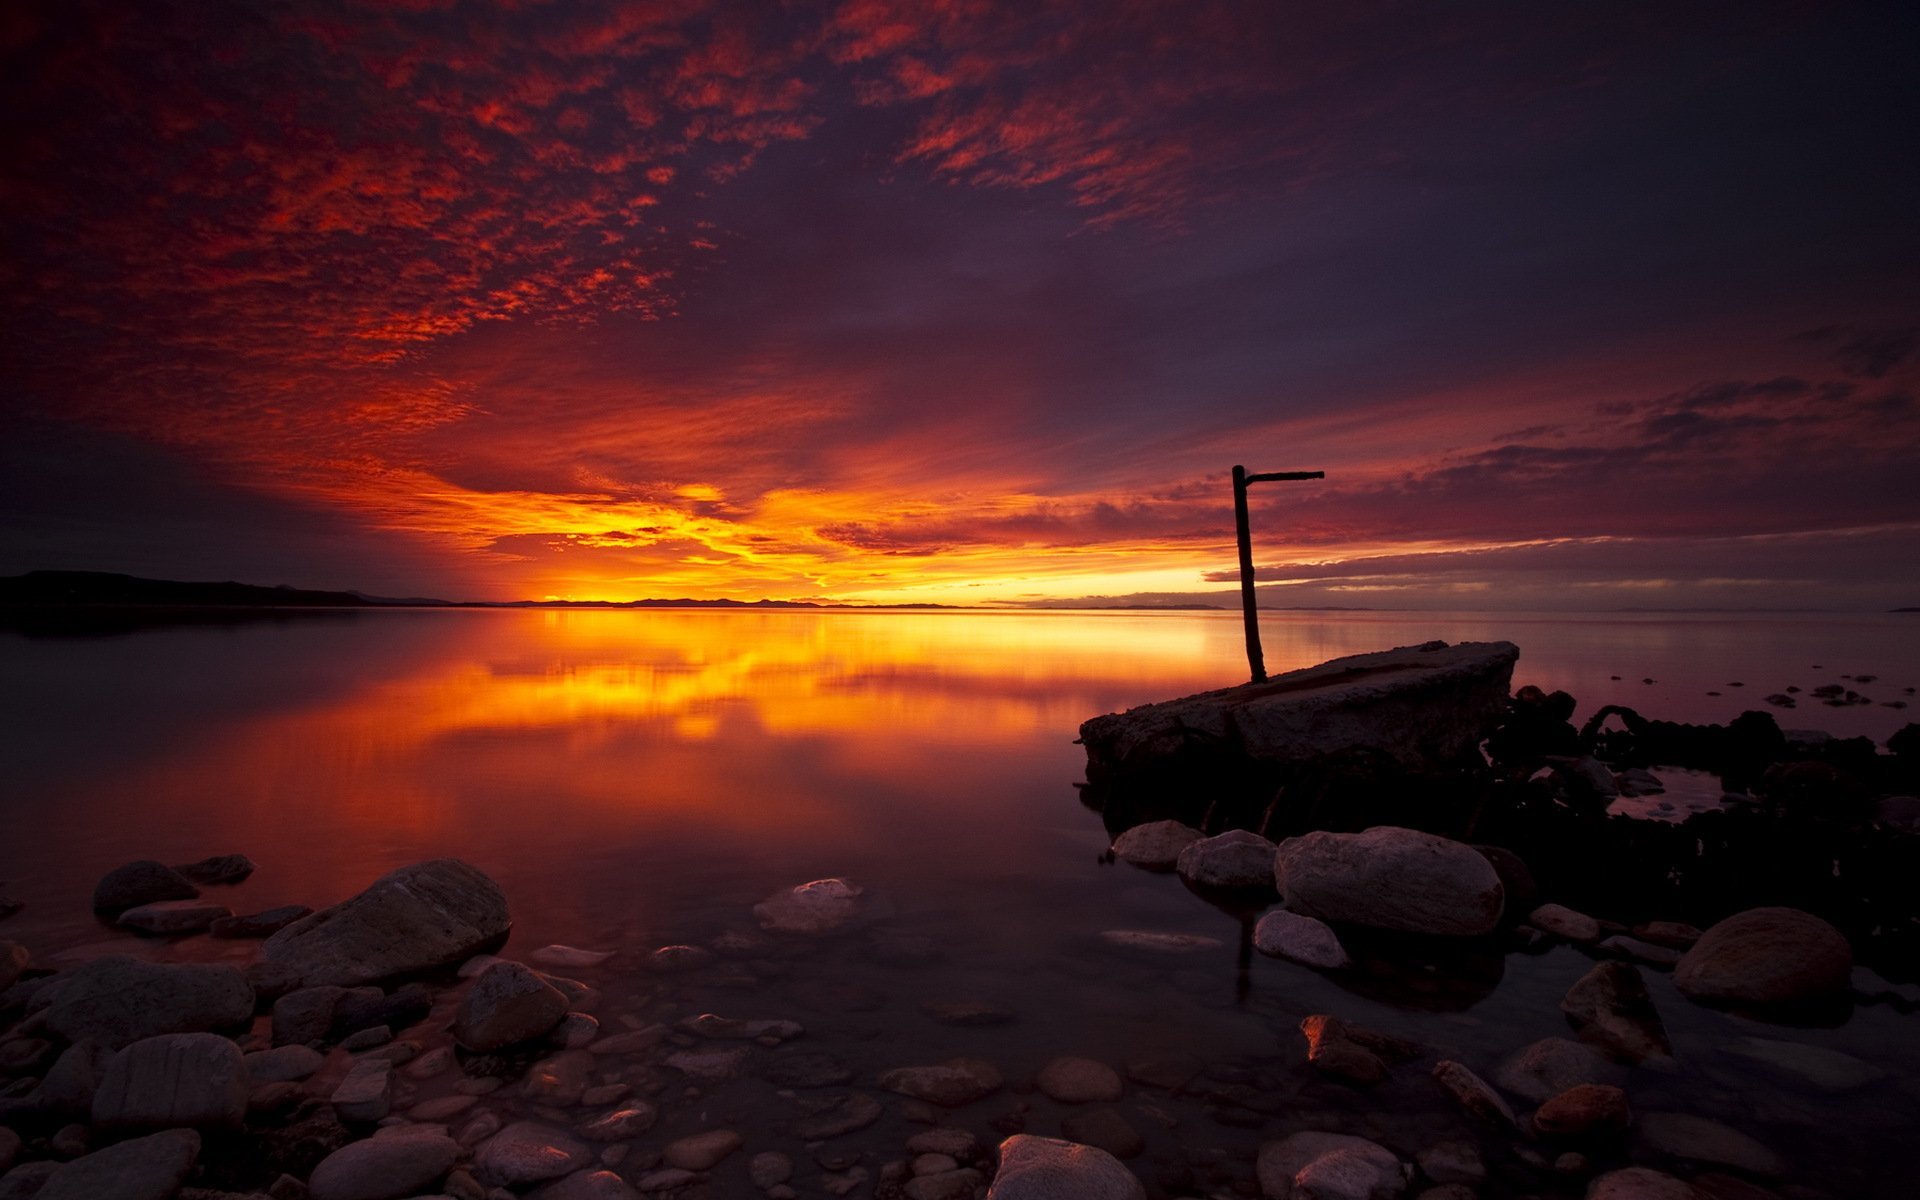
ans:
(425, 915)
(148, 1168)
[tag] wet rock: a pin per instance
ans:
(1040, 1168)
(559, 1080)
(1453, 1162)
(1352, 1053)
(1701, 1140)
(260, 924)
(1816, 1066)
(770, 1168)
(1156, 845)
(708, 1066)
(1583, 1111)
(819, 907)
(370, 1008)
(1621, 946)
(403, 1162)
(148, 1168)
(1667, 933)
(422, 916)
(165, 918)
(950, 1084)
(1349, 1162)
(1309, 942)
(283, 1063)
(588, 1185)
(1564, 922)
(1474, 1094)
(629, 1121)
(1390, 878)
(701, 1151)
(219, 869)
(366, 1094)
(675, 960)
(839, 1116)
(1079, 1081)
(667, 1179)
(441, 1108)
(805, 1069)
(528, 1152)
(1548, 1067)
(575, 1031)
(305, 1015)
(1610, 1006)
(117, 1000)
(708, 1025)
(1104, 1128)
(143, 882)
(1766, 956)
(174, 1080)
(570, 958)
(1640, 1183)
(1425, 706)
(1156, 942)
(508, 1003)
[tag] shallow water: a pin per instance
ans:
(636, 779)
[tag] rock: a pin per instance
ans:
(967, 1012)
(143, 882)
(174, 1080)
(1828, 1070)
(1700, 1140)
(1079, 1081)
(950, 1084)
(171, 917)
(1516, 878)
(508, 1003)
(9, 1149)
(1585, 1110)
(427, 915)
(570, 957)
(838, 1117)
(366, 1094)
(1590, 777)
(283, 1063)
(148, 1168)
(1351, 1053)
(1304, 940)
(1156, 845)
(588, 1185)
(575, 1031)
(822, 906)
(269, 981)
(1564, 922)
(1425, 706)
(1610, 1006)
(70, 1084)
(13, 960)
(221, 868)
(403, 1162)
(1040, 1168)
(559, 1080)
(28, 1178)
(957, 1144)
(117, 1000)
(1546, 1068)
(1349, 1175)
(708, 1066)
(1667, 933)
(528, 1152)
(1281, 1162)
(1452, 1162)
(1390, 878)
(1474, 1094)
(708, 1025)
(701, 1151)
(1640, 1183)
(1106, 1129)
(769, 1168)
(1156, 942)
(305, 1015)
(260, 924)
(1766, 956)
(961, 1183)
(1621, 946)
(622, 1124)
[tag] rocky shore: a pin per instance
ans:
(398, 1044)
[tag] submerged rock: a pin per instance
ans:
(1474, 1094)
(811, 908)
(1079, 1081)
(427, 915)
(142, 882)
(1426, 706)
(1702, 1140)
(1390, 878)
(508, 1003)
(1767, 956)
(1610, 1006)
(950, 1084)
(528, 1152)
(167, 917)
(221, 868)
(1544, 1069)
(1372, 1169)
(1304, 940)
(1043, 1168)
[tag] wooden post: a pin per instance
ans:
(1256, 660)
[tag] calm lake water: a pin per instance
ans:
(637, 779)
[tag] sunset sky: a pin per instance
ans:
(1578, 305)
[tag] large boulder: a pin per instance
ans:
(1425, 706)
(1766, 956)
(1044, 1168)
(427, 915)
(1390, 878)
(117, 1000)
(173, 1081)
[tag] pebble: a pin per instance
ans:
(769, 1169)
(708, 1066)
(628, 1122)
(1586, 1110)
(528, 1152)
(1474, 1094)
(838, 1116)
(1543, 1069)
(142, 882)
(701, 1151)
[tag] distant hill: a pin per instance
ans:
(87, 588)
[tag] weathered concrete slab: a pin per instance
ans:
(1427, 706)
